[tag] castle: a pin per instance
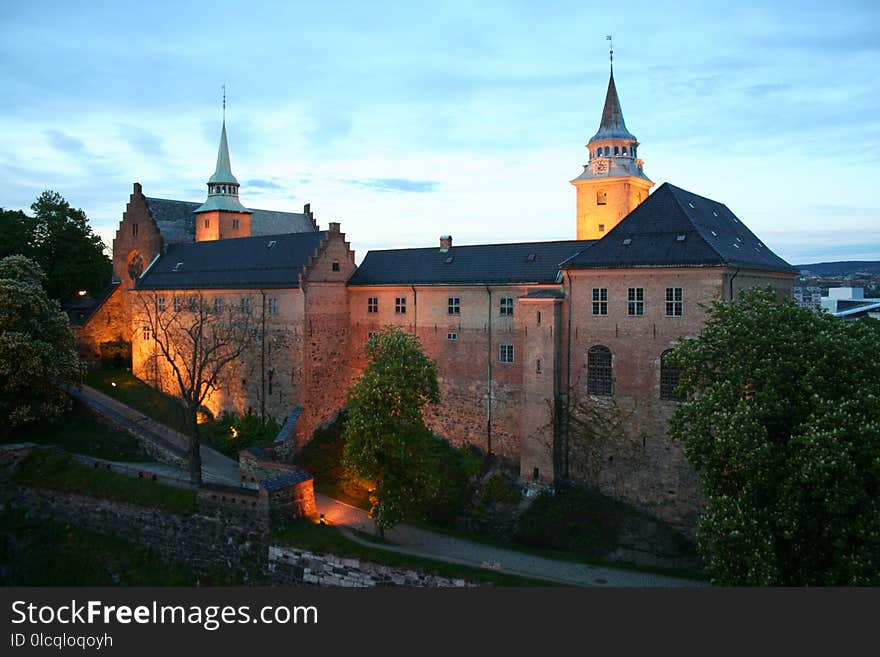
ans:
(528, 337)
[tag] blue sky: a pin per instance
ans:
(408, 120)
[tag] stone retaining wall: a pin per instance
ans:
(288, 565)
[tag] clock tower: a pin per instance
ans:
(613, 182)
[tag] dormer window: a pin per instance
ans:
(177, 266)
(680, 238)
(627, 241)
(271, 244)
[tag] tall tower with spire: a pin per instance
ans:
(222, 216)
(613, 182)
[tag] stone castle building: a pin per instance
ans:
(551, 355)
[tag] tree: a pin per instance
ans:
(68, 251)
(61, 241)
(387, 441)
(783, 427)
(38, 355)
(193, 342)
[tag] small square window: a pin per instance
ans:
(635, 301)
(452, 336)
(505, 353)
(600, 300)
(400, 305)
(335, 265)
(601, 228)
(507, 306)
(453, 306)
(372, 334)
(373, 304)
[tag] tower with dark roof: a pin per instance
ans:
(612, 183)
(222, 215)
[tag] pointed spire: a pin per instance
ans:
(223, 186)
(612, 125)
(223, 171)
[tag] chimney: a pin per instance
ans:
(445, 243)
(137, 188)
(333, 227)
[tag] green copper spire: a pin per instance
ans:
(223, 186)
(223, 172)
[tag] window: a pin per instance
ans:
(273, 305)
(372, 334)
(538, 366)
(600, 300)
(373, 304)
(335, 265)
(617, 150)
(601, 228)
(507, 306)
(400, 305)
(246, 305)
(453, 306)
(207, 223)
(160, 304)
(599, 371)
(635, 301)
(177, 304)
(452, 336)
(134, 230)
(539, 317)
(148, 333)
(505, 353)
(601, 197)
(669, 374)
(607, 151)
(191, 304)
(235, 223)
(674, 302)
(218, 305)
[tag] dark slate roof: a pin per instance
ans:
(80, 309)
(675, 228)
(177, 222)
(285, 480)
(496, 264)
(612, 125)
(247, 262)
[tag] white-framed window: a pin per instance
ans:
(372, 304)
(400, 305)
(218, 305)
(635, 301)
(600, 300)
(147, 333)
(160, 304)
(453, 306)
(507, 305)
(674, 302)
(452, 336)
(505, 353)
(177, 304)
(273, 305)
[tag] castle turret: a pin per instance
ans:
(222, 215)
(613, 182)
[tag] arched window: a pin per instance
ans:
(599, 371)
(634, 151)
(669, 374)
(607, 150)
(623, 150)
(601, 197)
(616, 150)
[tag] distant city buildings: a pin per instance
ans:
(850, 303)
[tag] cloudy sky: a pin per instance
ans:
(408, 120)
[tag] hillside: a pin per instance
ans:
(842, 268)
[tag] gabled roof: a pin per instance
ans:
(176, 220)
(267, 261)
(676, 228)
(493, 264)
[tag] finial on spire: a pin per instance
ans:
(224, 103)
(610, 49)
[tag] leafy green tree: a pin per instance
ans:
(387, 441)
(783, 426)
(37, 352)
(66, 248)
(16, 233)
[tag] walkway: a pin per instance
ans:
(409, 540)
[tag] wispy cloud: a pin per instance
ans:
(142, 141)
(65, 143)
(262, 184)
(397, 184)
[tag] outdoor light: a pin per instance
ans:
(82, 293)
(322, 520)
(113, 383)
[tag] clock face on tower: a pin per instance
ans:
(600, 166)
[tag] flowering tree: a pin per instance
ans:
(783, 426)
(38, 355)
(387, 441)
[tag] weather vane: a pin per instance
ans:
(610, 48)
(224, 102)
